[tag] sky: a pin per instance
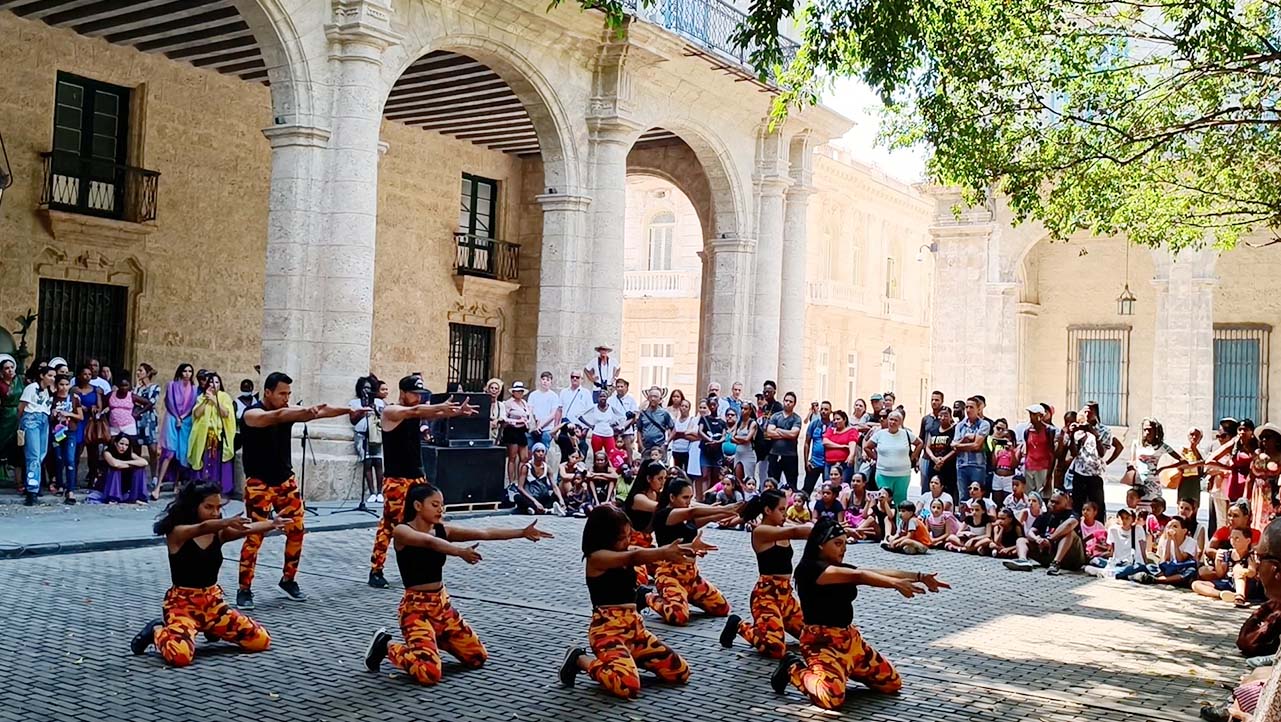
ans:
(853, 99)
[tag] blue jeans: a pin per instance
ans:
(1129, 569)
(966, 475)
(35, 430)
(540, 437)
(927, 470)
(64, 457)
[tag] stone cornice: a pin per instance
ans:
(362, 30)
(731, 243)
(307, 136)
(563, 202)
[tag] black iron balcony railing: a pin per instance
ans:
(486, 257)
(710, 23)
(95, 187)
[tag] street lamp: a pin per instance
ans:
(932, 247)
(6, 174)
(1125, 302)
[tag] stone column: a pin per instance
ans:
(1183, 358)
(291, 316)
(791, 333)
(725, 326)
(771, 182)
(564, 291)
(611, 139)
(958, 332)
(998, 348)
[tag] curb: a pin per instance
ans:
(41, 549)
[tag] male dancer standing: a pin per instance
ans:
(269, 478)
(403, 460)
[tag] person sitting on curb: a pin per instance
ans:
(1052, 540)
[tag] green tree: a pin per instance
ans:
(1157, 119)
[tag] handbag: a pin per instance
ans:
(375, 429)
(97, 432)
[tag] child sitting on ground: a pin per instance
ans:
(941, 524)
(1006, 534)
(975, 531)
(913, 535)
(827, 506)
(799, 511)
(1093, 532)
(1234, 574)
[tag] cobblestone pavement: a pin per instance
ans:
(1000, 646)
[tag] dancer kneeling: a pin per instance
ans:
(775, 611)
(679, 584)
(834, 650)
(194, 532)
(428, 620)
(617, 634)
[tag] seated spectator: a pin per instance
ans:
(1132, 501)
(1232, 574)
(1188, 511)
(1052, 540)
(534, 493)
(579, 501)
(1126, 549)
(978, 497)
(799, 510)
(912, 537)
(1175, 558)
(1006, 534)
(730, 492)
(1157, 519)
(1017, 501)
(862, 512)
(602, 479)
(827, 506)
(749, 489)
(941, 522)
(936, 493)
(976, 531)
(1238, 518)
(1093, 533)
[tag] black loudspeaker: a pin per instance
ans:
(463, 430)
(466, 475)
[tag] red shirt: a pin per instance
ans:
(1222, 533)
(844, 438)
(1039, 449)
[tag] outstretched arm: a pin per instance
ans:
(466, 534)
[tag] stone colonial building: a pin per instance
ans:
(863, 283)
(1022, 319)
(329, 187)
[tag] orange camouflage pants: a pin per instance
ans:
(429, 623)
(394, 491)
(260, 501)
(643, 571)
(189, 611)
(834, 655)
(678, 585)
(621, 642)
(775, 613)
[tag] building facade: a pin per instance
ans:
(1023, 319)
(331, 187)
(865, 289)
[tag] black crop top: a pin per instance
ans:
(827, 605)
(616, 586)
(196, 567)
(664, 534)
(420, 565)
(775, 561)
(640, 519)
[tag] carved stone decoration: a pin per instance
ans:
(91, 266)
(477, 313)
(83, 230)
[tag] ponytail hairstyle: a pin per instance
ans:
(183, 509)
(419, 492)
(648, 470)
(825, 530)
(604, 527)
(757, 505)
(674, 487)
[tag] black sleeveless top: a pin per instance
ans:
(640, 519)
(664, 534)
(616, 586)
(403, 450)
(268, 451)
(775, 561)
(420, 565)
(194, 567)
(826, 605)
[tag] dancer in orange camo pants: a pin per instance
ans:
(194, 532)
(428, 620)
(775, 610)
(640, 505)
(833, 649)
(678, 584)
(620, 643)
(403, 459)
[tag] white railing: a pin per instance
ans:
(666, 284)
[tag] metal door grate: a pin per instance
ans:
(1098, 370)
(1241, 371)
(81, 320)
(471, 350)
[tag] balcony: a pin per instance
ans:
(711, 25)
(661, 284)
(486, 264)
(94, 187)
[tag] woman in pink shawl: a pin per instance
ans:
(175, 437)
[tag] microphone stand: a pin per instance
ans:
(302, 485)
(366, 464)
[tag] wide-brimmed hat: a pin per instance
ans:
(518, 386)
(604, 347)
(1261, 428)
(57, 361)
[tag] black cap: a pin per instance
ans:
(412, 383)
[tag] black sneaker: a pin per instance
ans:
(377, 580)
(290, 587)
(783, 673)
(730, 630)
(1212, 713)
(569, 668)
(376, 652)
(210, 638)
(30, 500)
(642, 597)
(1054, 570)
(69, 499)
(145, 638)
(244, 599)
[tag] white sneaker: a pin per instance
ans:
(557, 509)
(382, 498)
(373, 499)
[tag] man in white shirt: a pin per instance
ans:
(96, 379)
(625, 408)
(602, 371)
(546, 406)
(575, 401)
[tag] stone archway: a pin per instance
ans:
(283, 51)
